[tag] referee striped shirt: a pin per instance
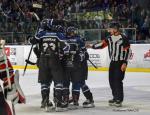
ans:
(118, 47)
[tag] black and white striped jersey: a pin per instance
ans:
(118, 47)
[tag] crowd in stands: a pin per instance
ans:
(16, 15)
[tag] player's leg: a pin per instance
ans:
(75, 93)
(45, 79)
(89, 103)
(4, 107)
(58, 78)
(66, 91)
(45, 91)
(66, 84)
(58, 97)
(85, 89)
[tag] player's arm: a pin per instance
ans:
(33, 40)
(82, 50)
(64, 47)
(36, 38)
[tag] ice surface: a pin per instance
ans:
(136, 102)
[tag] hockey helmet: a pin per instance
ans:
(114, 25)
(59, 28)
(71, 29)
(46, 24)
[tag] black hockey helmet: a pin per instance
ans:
(59, 28)
(71, 30)
(46, 24)
(59, 25)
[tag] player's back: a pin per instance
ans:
(49, 42)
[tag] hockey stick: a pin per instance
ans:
(38, 19)
(29, 62)
(93, 64)
(27, 59)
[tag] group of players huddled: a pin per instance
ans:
(62, 59)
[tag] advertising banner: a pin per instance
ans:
(140, 57)
(98, 57)
(12, 55)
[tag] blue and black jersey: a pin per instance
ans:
(51, 42)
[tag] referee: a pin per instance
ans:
(119, 52)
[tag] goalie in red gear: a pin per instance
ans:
(11, 88)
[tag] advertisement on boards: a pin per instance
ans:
(11, 54)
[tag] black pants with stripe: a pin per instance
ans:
(116, 77)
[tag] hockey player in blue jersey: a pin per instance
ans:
(77, 70)
(51, 46)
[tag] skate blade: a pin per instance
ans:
(118, 105)
(49, 109)
(72, 107)
(61, 109)
(89, 106)
(111, 104)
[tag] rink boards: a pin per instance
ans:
(139, 60)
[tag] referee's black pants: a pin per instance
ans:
(116, 77)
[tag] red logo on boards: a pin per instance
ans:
(147, 54)
(7, 51)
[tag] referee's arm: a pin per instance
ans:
(100, 45)
(127, 50)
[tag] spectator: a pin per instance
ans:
(19, 14)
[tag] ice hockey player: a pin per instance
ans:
(11, 88)
(76, 69)
(50, 44)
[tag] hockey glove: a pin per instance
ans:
(32, 40)
(29, 62)
(82, 56)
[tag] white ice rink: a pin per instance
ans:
(136, 89)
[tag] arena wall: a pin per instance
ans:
(139, 60)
